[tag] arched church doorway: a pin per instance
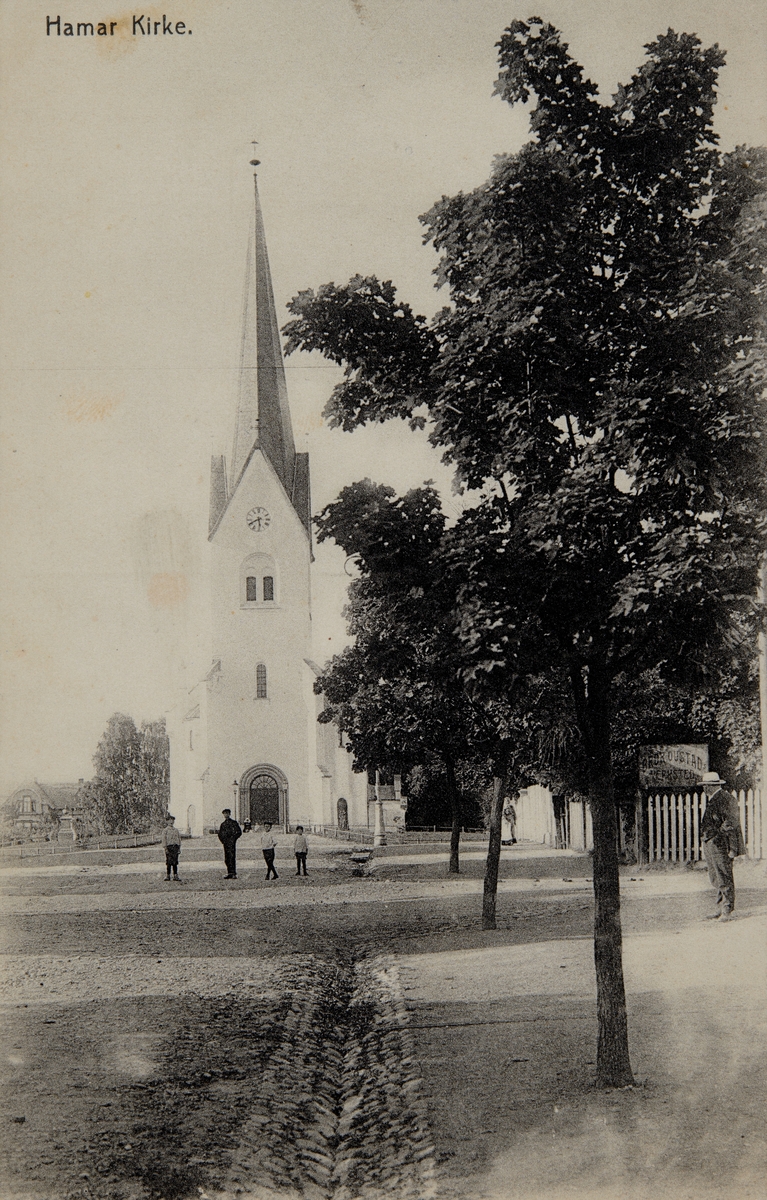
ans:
(264, 796)
(264, 800)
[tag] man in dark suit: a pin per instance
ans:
(722, 841)
(228, 832)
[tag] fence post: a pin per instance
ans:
(743, 815)
(658, 815)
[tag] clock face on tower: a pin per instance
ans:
(258, 519)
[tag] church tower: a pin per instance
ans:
(247, 737)
(259, 700)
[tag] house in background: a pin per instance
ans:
(561, 822)
(45, 809)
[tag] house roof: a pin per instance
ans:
(58, 795)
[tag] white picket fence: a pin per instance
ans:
(673, 825)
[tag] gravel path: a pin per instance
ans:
(49, 978)
(368, 890)
(180, 1043)
(322, 857)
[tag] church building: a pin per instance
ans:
(247, 738)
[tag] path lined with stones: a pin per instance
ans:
(288, 1078)
(338, 1113)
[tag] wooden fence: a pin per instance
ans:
(673, 825)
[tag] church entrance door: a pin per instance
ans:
(264, 800)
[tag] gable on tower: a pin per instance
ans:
(263, 414)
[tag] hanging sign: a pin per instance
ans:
(672, 766)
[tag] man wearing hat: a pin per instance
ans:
(228, 832)
(722, 841)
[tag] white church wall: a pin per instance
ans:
(245, 729)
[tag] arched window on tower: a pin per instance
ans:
(261, 682)
(259, 582)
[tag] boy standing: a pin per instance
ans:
(171, 841)
(268, 845)
(300, 849)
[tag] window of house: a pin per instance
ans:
(268, 587)
(26, 804)
(251, 588)
(261, 682)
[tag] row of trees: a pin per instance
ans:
(130, 788)
(596, 380)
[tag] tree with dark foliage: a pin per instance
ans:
(397, 693)
(598, 375)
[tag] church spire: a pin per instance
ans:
(263, 415)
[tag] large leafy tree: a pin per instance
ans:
(598, 376)
(397, 692)
(130, 788)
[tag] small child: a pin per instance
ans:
(300, 849)
(268, 845)
(171, 840)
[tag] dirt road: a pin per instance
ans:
(343, 1037)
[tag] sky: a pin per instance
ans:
(126, 196)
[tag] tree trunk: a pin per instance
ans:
(456, 812)
(493, 854)
(613, 1063)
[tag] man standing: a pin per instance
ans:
(171, 842)
(228, 832)
(722, 841)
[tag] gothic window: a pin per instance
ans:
(261, 682)
(27, 804)
(268, 587)
(251, 588)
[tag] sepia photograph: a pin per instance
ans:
(383, 707)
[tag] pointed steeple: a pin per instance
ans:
(263, 415)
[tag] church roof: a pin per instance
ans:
(263, 413)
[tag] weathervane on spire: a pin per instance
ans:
(255, 162)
